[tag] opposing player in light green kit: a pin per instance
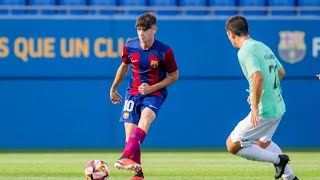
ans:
(252, 137)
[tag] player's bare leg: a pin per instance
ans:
(147, 117)
(125, 162)
(135, 136)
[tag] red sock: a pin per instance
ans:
(137, 156)
(133, 145)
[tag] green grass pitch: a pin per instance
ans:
(158, 164)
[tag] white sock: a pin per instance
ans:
(256, 153)
(288, 173)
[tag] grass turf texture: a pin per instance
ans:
(169, 164)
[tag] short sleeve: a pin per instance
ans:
(169, 61)
(249, 62)
(125, 55)
(279, 65)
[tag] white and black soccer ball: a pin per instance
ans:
(96, 170)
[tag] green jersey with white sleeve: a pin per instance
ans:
(255, 56)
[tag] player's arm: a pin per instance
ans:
(257, 86)
(171, 67)
(145, 88)
(251, 64)
(318, 76)
(281, 73)
(120, 75)
(115, 97)
(171, 78)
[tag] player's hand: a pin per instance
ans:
(254, 116)
(115, 97)
(144, 89)
(318, 76)
(248, 99)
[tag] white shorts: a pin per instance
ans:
(247, 135)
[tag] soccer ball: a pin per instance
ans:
(96, 170)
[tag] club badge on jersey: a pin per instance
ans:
(125, 115)
(154, 63)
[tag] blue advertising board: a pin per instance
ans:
(55, 76)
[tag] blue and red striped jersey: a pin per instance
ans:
(148, 66)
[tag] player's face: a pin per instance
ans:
(146, 35)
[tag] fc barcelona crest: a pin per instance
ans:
(292, 48)
(125, 115)
(154, 63)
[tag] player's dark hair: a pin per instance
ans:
(146, 21)
(238, 25)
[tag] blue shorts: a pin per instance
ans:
(133, 106)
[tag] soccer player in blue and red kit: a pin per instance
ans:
(153, 69)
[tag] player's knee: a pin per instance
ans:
(229, 147)
(232, 147)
